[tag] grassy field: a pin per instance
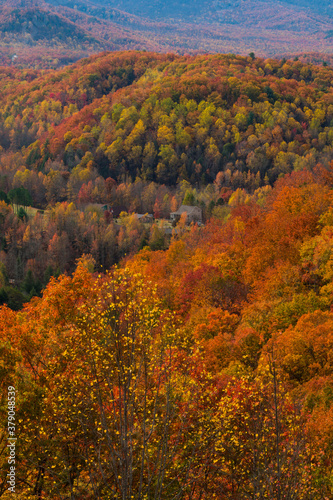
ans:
(30, 211)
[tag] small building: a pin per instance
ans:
(194, 214)
(145, 217)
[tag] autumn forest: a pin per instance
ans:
(154, 357)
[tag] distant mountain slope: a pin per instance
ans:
(266, 26)
(37, 34)
(35, 25)
(324, 7)
(212, 11)
(55, 32)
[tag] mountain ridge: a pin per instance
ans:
(45, 33)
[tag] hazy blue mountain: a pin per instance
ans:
(321, 7)
(203, 10)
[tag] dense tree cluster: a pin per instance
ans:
(47, 242)
(199, 367)
(143, 133)
(201, 371)
(175, 118)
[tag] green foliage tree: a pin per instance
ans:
(4, 197)
(20, 196)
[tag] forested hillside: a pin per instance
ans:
(201, 371)
(151, 358)
(142, 133)
(226, 11)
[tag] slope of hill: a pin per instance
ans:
(213, 344)
(37, 35)
(34, 26)
(166, 118)
(265, 27)
(207, 10)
